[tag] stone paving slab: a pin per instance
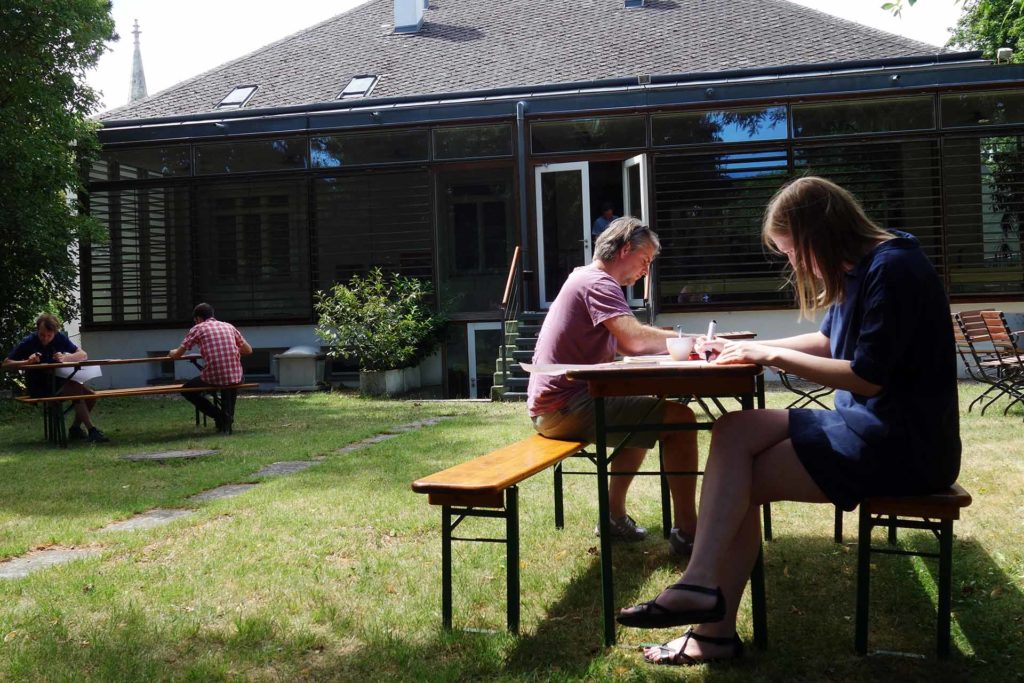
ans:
(170, 455)
(26, 564)
(276, 469)
(390, 433)
(225, 491)
(148, 520)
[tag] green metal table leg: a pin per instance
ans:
(559, 504)
(446, 567)
(607, 581)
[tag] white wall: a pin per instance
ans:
(140, 343)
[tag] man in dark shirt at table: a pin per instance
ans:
(49, 345)
(587, 323)
(221, 346)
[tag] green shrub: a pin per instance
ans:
(384, 321)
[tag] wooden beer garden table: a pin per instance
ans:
(659, 376)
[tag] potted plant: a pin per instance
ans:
(385, 321)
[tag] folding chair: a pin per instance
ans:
(996, 359)
(807, 392)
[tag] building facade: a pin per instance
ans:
(258, 206)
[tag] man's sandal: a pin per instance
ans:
(671, 657)
(652, 615)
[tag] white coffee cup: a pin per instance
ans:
(679, 347)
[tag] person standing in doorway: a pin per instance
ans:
(602, 221)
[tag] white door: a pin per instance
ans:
(634, 203)
(563, 231)
(484, 342)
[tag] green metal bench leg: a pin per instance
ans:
(838, 534)
(446, 567)
(892, 529)
(767, 514)
(559, 503)
(945, 586)
(758, 605)
(863, 577)
(512, 557)
(666, 495)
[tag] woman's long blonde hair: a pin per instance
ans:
(829, 230)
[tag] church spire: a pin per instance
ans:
(138, 90)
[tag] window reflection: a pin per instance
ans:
(853, 117)
(982, 109)
(333, 151)
(262, 155)
(612, 132)
(733, 125)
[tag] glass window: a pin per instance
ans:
(242, 157)
(369, 219)
(982, 108)
(473, 142)
(982, 182)
(897, 183)
(476, 228)
(709, 213)
(142, 163)
(359, 86)
(856, 117)
(253, 250)
(732, 125)
(615, 132)
(143, 273)
(386, 147)
(237, 98)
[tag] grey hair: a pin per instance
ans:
(622, 231)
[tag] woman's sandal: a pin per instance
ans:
(652, 615)
(667, 655)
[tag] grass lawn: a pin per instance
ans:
(333, 573)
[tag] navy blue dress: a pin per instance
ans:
(894, 326)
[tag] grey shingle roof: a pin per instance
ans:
(467, 45)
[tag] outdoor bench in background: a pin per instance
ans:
(486, 486)
(54, 429)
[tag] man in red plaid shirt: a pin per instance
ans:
(221, 346)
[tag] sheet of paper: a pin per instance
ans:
(664, 359)
(84, 374)
(559, 368)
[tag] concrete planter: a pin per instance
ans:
(412, 378)
(381, 382)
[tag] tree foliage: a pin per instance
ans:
(384, 321)
(44, 106)
(985, 25)
(988, 25)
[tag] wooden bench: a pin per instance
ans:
(936, 513)
(487, 487)
(53, 415)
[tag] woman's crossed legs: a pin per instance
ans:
(752, 462)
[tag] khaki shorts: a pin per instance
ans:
(576, 421)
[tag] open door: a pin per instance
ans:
(634, 203)
(563, 228)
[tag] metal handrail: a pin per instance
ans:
(510, 305)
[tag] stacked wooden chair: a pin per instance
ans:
(989, 353)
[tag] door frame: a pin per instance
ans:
(584, 168)
(471, 329)
(639, 160)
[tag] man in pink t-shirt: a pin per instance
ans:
(587, 323)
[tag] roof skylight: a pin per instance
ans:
(359, 86)
(237, 98)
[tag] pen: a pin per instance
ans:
(709, 337)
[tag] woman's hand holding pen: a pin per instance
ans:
(733, 352)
